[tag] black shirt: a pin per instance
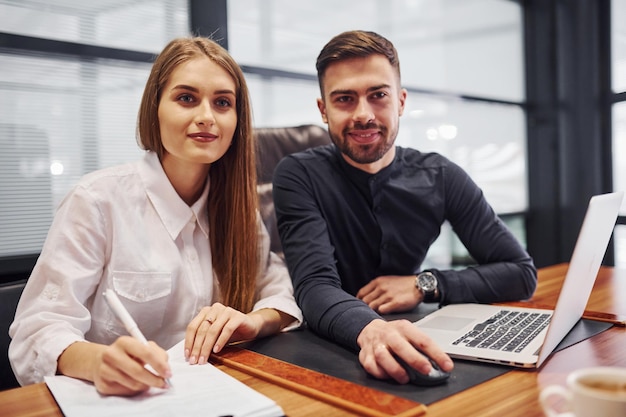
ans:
(341, 227)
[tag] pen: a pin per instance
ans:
(124, 316)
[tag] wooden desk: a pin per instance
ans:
(607, 299)
(515, 394)
(512, 394)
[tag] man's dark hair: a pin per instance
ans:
(355, 44)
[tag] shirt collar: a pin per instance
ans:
(172, 210)
(362, 176)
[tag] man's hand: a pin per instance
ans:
(391, 294)
(380, 339)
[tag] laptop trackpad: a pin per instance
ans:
(446, 323)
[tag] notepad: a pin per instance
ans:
(198, 390)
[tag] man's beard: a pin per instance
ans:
(364, 153)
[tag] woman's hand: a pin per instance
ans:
(216, 326)
(117, 369)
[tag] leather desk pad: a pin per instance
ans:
(308, 350)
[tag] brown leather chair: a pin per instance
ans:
(273, 143)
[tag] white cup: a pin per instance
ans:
(590, 392)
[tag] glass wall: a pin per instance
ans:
(619, 149)
(133, 25)
(64, 114)
(462, 63)
(618, 71)
(471, 47)
(618, 45)
(447, 50)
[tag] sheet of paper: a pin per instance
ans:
(197, 390)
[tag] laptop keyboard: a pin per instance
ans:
(508, 331)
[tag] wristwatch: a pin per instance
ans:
(426, 282)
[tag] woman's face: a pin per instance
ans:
(197, 114)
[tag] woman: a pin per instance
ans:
(176, 235)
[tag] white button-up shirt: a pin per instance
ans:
(126, 228)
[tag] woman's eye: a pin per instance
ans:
(186, 98)
(222, 102)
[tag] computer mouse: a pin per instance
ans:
(435, 377)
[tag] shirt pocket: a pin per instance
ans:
(144, 294)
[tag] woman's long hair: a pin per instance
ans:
(232, 202)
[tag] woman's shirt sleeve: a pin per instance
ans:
(51, 313)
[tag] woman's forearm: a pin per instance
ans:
(271, 321)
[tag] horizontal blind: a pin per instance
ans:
(62, 117)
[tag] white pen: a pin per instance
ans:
(124, 316)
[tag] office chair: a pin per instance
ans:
(273, 143)
(9, 296)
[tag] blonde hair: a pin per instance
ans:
(232, 202)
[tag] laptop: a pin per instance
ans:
(525, 337)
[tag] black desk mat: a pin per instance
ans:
(308, 350)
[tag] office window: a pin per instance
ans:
(443, 47)
(618, 45)
(619, 176)
(618, 59)
(472, 47)
(618, 71)
(283, 101)
(487, 139)
(620, 246)
(461, 61)
(63, 116)
(139, 26)
(59, 118)
(619, 149)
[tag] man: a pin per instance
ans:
(356, 218)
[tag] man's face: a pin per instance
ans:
(362, 104)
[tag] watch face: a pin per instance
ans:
(427, 282)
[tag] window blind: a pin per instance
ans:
(62, 116)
